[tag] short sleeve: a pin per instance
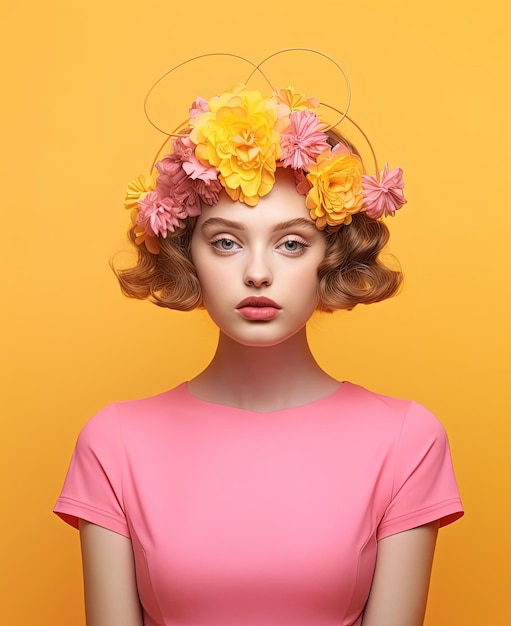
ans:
(424, 485)
(93, 486)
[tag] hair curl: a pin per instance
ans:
(352, 271)
(169, 278)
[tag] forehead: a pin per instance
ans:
(282, 204)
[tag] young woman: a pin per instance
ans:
(263, 492)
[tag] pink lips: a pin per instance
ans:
(258, 308)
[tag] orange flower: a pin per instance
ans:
(336, 192)
(237, 136)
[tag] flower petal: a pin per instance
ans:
(386, 196)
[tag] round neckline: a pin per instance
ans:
(227, 407)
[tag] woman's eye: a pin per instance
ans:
(294, 246)
(224, 244)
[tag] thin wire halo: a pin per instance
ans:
(339, 67)
(196, 58)
(257, 68)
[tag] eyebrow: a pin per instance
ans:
(299, 221)
(219, 221)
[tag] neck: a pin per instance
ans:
(263, 378)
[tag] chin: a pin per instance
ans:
(259, 344)
(262, 339)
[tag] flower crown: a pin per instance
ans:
(235, 141)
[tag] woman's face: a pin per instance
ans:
(258, 265)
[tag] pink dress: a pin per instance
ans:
(243, 518)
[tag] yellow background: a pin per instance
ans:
(430, 86)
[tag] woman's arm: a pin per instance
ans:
(401, 579)
(110, 586)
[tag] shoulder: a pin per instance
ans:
(405, 428)
(416, 440)
(383, 411)
(112, 421)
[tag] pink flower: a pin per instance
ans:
(170, 170)
(183, 148)
(198, 107)
(183, 158)
(196, 170)
(158, 215)
(302, 140)
(384, 197)
(184, 195)
(208, 191)
(185, 180)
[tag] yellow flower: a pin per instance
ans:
(289, 102)
(238, 137)
(137, 191)
(336, 192)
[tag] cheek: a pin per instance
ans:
(202, 264)
(308, 284)
(307, 277)
(215, 282)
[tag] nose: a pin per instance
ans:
(257, 270)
